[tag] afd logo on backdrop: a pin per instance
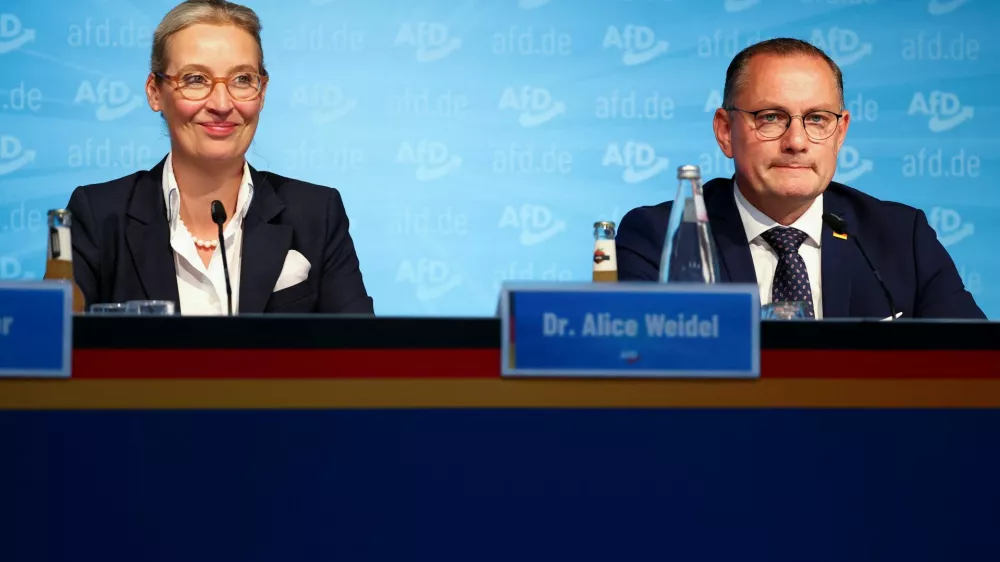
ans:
(536, 105)
(949, 226)
(12, 34)
(944, 108)
(535, 223)
(13, 156)
(113, 98)
(638, 43)
(11, 268)
(432, 40)
(942, 7)
(735, 6)
(639, 160)
(431, 279)
(328, 103)
(714, 101)
(531, 4)
(843, 45)
(432, 159)
(850, 165)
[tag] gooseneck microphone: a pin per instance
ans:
(839, 226)
(219, 218)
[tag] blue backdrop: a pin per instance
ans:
(478, 140)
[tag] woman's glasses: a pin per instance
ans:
(197, 86)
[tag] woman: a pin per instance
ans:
(151, 235)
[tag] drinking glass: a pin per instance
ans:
(108, 308)
(150, 308)
(786, 310)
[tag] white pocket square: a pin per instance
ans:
(294, 271)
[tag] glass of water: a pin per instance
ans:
(786, 310)
(150, 308)
(108, 308)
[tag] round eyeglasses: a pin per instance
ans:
(197, 86)
(772, 123)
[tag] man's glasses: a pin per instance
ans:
(197, 86)
(772, 123)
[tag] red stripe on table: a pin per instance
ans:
(485, 363)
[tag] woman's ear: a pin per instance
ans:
(153, 93)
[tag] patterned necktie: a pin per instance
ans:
(791, 280)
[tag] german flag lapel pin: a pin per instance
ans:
(842, 236)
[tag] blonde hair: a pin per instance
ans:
(192, 12)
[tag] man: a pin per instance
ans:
(783, 122)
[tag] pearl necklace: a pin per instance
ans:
(198, 242)
(204, 244)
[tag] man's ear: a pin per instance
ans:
(723, 131)
(845, 122)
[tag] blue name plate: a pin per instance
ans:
(630, 330)
(36, 329)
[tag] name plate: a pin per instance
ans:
(36, 329)
(663, 330)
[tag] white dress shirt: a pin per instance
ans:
(765, 259)
(202, 290)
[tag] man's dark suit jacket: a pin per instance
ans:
(919, 272)
(121, 245)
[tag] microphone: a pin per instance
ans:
(839, 226)
(219, 218)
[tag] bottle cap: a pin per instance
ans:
(688, 172)
(604, 224)
(61, 217)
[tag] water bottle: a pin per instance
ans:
(605, 253)
(689, 254)
(59, 265)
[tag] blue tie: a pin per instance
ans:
(791, 280)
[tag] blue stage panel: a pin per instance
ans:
(499, 485)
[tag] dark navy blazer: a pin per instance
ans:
(121, 245)
(920, 274)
